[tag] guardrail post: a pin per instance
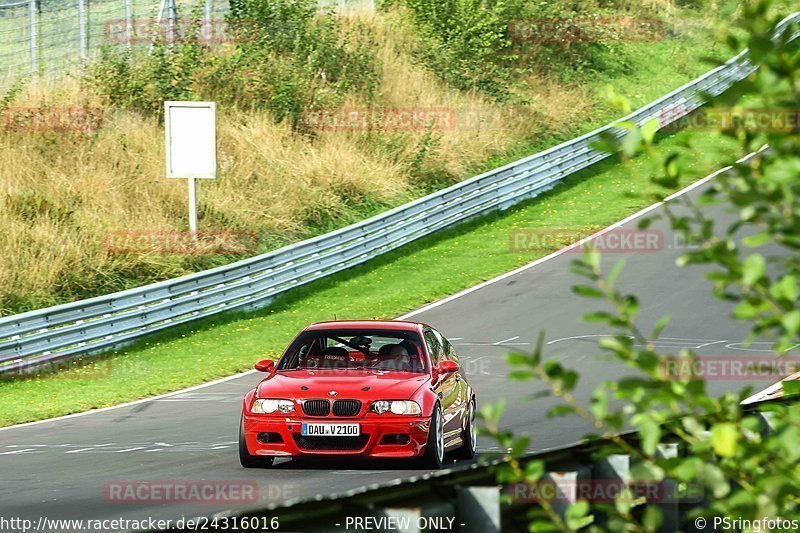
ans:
(82, 37)
(613, 468)
(172, 18)
(567, 485)
(478, 510)
(207, 35)
(436, 515)
(669, 490)
(404, 517)
(128, 24)
(33, 37)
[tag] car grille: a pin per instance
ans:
(346, 407)
(331, 443)
(317, 407)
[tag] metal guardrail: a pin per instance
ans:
(89, 326)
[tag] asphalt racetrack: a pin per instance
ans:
(59, 469)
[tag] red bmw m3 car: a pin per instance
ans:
(371, 389)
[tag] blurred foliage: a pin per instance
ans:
(752, 262)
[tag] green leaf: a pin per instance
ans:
(724, 438)
(753, 269)
(649, 130)
(560, 410)
(660, 325)
(542, 526)
(599, 316)
(577, 515)
(645, 471)
(615, 272)
(754, 241)
(653, 518)
(534, 471)
(631, 143)
(650, 433)
(592, 257)
(791, 321)
(791, 388)
(599, 403)
(517, 359)
(785, 289)
(587, 292)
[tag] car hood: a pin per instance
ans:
(301, 384)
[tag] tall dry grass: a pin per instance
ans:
(61, 192)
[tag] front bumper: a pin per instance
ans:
(379, 437)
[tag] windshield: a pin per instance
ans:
(398, 351)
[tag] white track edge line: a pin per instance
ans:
(412, 313)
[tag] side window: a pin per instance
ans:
(434, 347)
(447, 349)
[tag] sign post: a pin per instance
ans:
(191, 134)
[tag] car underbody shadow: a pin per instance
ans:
(337, 463)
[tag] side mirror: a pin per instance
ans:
(267, 365)
(448, 367)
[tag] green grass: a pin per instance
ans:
(387, 286)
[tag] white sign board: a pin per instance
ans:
(191, 129)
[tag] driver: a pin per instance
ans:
(393, 357)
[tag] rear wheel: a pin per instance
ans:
(469, 436)
(433, 457)
(247, 460)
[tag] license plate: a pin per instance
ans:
(331, 430)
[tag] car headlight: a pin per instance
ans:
(398, 407)
(267, 406)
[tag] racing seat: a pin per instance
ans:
(393, 357)
(331, 357)
(335, 357)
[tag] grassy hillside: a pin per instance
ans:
(61, 192)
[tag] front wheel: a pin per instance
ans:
(469, 436)
(247, 460)
(433, 457)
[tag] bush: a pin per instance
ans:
(286, 59)
(143, 81)
(466, 42)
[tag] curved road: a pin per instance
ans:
(59, 468)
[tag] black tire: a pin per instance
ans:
(468, 436)
(247, 460)
(433, 457)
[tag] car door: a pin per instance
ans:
(461, 404)
(447, 388)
